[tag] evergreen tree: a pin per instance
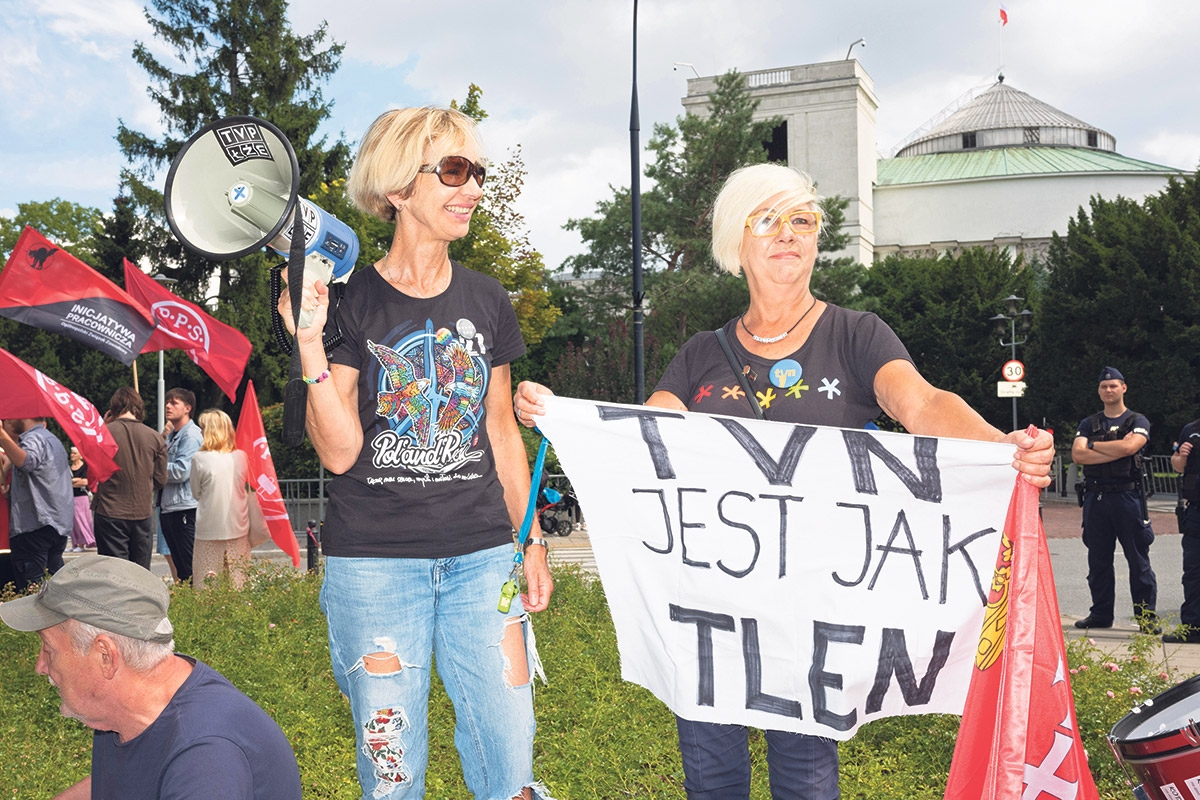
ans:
(233, 57)
(940, 307)
(837, 280)
(1124, 291)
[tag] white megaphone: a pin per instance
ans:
(233, 189)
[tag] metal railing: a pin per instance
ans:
(1163, 478)
(305, 503)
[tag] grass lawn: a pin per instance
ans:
(598, 737)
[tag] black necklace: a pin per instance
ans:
(780, 337)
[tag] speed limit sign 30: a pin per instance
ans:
(1013, 371)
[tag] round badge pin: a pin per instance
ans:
(786, 373)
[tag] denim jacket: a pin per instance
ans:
(181, 446)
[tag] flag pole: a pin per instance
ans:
(1003, 24)
(135, 377)
(635, 196)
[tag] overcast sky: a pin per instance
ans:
(556, 76)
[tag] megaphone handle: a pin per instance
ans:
(295, 399)
(315, 269)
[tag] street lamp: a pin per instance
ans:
(162, 386)
(1008, 321)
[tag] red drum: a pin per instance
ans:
(1160, 742)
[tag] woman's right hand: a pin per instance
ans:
(527, 402)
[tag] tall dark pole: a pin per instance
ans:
(635, 195)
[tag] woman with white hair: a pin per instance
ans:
(766, 220)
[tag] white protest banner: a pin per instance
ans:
(784, 576)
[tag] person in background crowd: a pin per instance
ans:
(177, 507)
(123, 504)
(219, 473)
(40, 501)
(81, 528)
(1108, 445)
(161, 547)
(166, 725)
(766, 220)
(5, 473)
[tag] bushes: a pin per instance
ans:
(598, 737)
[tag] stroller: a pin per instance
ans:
(559, 510)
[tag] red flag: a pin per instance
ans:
(1003, 15)
(1019, 728)
(252, 440)
(218, 349)
(47, 287)
(29, 393)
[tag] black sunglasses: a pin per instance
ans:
(456, 170)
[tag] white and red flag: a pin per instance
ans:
(1019, 736)
(47, 287)
(252, 440)
(30, 393)
(219, 349)
(1003, 15)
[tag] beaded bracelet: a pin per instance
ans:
(318, 379)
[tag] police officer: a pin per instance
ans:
(1186, 460)
(1108, 446)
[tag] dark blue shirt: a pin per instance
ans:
(1191, 433)
(211, 741)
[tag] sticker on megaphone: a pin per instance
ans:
(330, 247)
(232, 189)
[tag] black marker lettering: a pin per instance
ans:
(861, 444)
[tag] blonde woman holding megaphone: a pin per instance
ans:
(413, 413)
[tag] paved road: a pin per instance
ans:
(1061, 521)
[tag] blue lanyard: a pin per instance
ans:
(535, 482)
(510, 588)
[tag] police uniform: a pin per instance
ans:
(1189, 612)
(1114, 511)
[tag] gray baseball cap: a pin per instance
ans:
(112, 594)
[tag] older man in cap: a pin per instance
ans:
(1109, 447)
(166, 725)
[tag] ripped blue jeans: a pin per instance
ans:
(386, 617)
